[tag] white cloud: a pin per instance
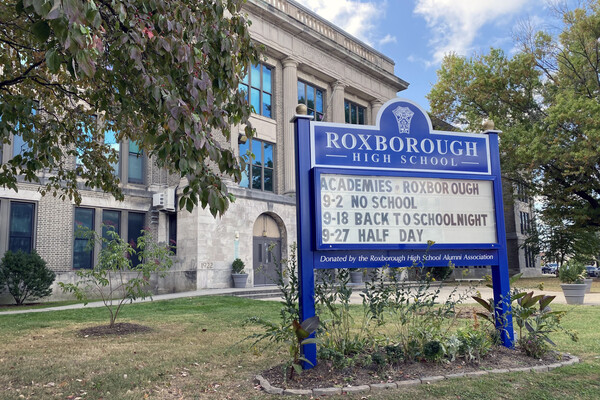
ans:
(456, 23)
(358, 18)
(387, 39)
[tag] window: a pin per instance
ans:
(111, 140)
(314, 98)
(135, 165)
(529, 257)
(173, 232)
(135, 224)
(110, 220)
(522, 194)
(259, 174)
(20, 236)
(83, 255)
(355, 114)
(258, 84)
(525, 222)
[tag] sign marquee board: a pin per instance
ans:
(392, 212)
(371, 196)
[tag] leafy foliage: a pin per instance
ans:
(288, 330)
(163, 74)
(546, 100)
(572, 271)
(237, 266)
(532, 315)
(114, 279)
(26, 276)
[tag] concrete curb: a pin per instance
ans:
(426, 380)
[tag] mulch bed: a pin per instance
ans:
(120, 329)
(323, 375)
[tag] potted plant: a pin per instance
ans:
(356, 275)
(571, 274)
(237, 273)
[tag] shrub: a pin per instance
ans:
(433, 350)
(474, 344)
(26, 276)
(394, 353)
(115, 279)
(237, 266)
(571, 272)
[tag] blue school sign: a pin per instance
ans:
(369, 196)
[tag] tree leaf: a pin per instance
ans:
(53, 60)
(41, 31)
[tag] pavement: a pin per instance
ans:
(591, 299)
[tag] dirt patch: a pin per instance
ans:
(323, 375)
(120, 329)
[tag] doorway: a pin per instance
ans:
(266, 251)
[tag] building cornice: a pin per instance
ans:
(320, 33)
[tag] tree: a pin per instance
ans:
(546, 100)
(163, 74)
(115, 279)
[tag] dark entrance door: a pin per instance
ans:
(267, 258)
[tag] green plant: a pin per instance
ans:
(114, 279)
(332, 297)
(237, 266)
(302, 331)
(394, 353)
(287, 283)
(287, 330)
(571, 272)
(532, 315)
(379, 360)
(413, 310)
(474, 344)
(438, 273)
(26, 276)
(433, 350)
(534, 346)
(452, 347)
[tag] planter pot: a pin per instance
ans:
(239, 280)
(574, 292)
(356, 277)
(588, 285)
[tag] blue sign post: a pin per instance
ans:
(369, 196)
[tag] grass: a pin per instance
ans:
(547, 283)
(196, 351)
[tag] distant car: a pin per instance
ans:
(592, 271)
(550, 268)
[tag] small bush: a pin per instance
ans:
(571, 272)
(26, 276)
(394, 353)
(474, 344)
(237, 266)
(534, 346)
(433, 351)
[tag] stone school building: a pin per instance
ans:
(308, 61)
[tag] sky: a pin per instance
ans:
(416, 34)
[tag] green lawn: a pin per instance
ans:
(196, 351)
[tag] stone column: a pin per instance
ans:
(375, 107)
(337, 103)
(290, 101)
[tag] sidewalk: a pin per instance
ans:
(592, 299)
(166, 296)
